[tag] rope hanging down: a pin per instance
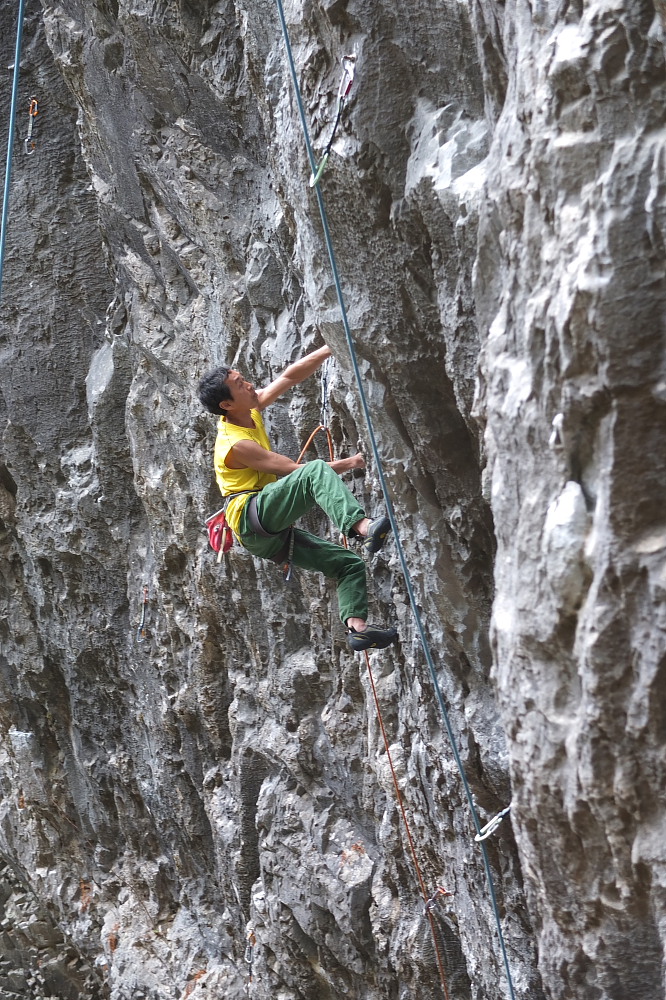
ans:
(10, 138)
(389, 505)
(430, 902)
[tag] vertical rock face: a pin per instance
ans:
(196, 798)
(572, 390)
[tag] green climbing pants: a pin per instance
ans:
(281, 503)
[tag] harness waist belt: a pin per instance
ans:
(285, 554)
(255, 523)
(228, 497)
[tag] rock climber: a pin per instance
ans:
(267, 492)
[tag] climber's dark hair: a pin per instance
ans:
(213, 389)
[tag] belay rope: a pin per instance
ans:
(10, 138)
(389, 505)
(430, 902)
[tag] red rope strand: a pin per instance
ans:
(424, 891)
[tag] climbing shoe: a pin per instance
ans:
(372, 637)
(377, 533)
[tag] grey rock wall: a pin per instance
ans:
(572, 391)
(495, 199)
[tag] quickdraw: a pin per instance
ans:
(30, 145)
(492, 825)
(251, 940)
(438, 894)
(346, 83)
(325, 390)
(141, 628)
(249, 950)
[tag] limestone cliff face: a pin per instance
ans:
(496, 201)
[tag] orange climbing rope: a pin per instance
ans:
(331, 452)
(309, 441)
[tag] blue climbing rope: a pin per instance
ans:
(389, 505)
(10, 139)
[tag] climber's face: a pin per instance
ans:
(244, 395)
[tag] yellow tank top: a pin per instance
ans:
(235, 480)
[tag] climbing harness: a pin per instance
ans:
(29, 144)
(10, 138)
(346, 83)
(286, 554)
(221, 536)
(389, 505)
(141, 628)
(492, 825)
